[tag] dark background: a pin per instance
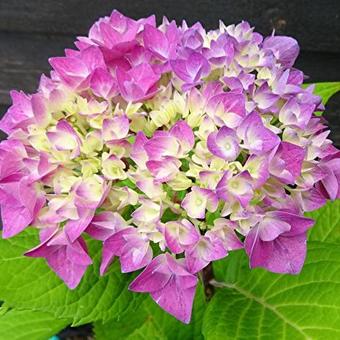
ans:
(31, 31)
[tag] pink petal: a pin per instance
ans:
(20, 203)
(72, 70)
(291, 156)
(299, 224)
(69, 261)
(170, 285)
(257, 138)
(164, 170)
(180, 235)
(271, 228)
(19, 114)
(103, 84)
(285, 49)
(156, 41)
(136, 254)
(203, 252)
(224, 144)
(115, 128)
(74, 228)
(104, 225)
(138, 153)
(139, 83)
(182, 131)
(283, 255)
(161, 146)
(154, 277)
(175, 301)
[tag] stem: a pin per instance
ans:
(207, 277)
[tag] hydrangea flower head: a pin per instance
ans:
(173, 146)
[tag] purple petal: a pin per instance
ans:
(164, 170)
(72, 70)
(154, 277)
(69, 261)
(270, 228)
(203, 252)
(156, 41)
(102, 83)
(161, 146)
(239, 187)
(74, 228)
(224, 230)
(283, 255)
(180, 235)
(224, 144)
(287, 162)
(104, 225)
(264, 98)
(191, 70)
(258, 168)
(138, 153)
(310, 200)
(136, 254)
(114, 245)
(299, 224)
(182, 131)
(233, 105)
(285, 49)
(19, 115)
(170, 285)
(257, 138)
(115, 128)
(176, 301)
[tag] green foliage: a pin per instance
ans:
(169, 215)
(151, 322)
(327, 223)
(26, 324)
(212, 216)
(28, 283)
(255, 304)
(326, 90)
(126, 183)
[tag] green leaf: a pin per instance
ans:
(256, 304)
(28, 283)
(126, 183)
(169, 215)
(327, 223)
(151, 322)
(25, 324)
(212, 216)
(326, 90)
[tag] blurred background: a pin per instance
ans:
(31, 31)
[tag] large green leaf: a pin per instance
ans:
(255, 304)
(151, 322)
(327, 223)
(23, 325)
(326, 90)
(28, 283)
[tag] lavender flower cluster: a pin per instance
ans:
(173, 146)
